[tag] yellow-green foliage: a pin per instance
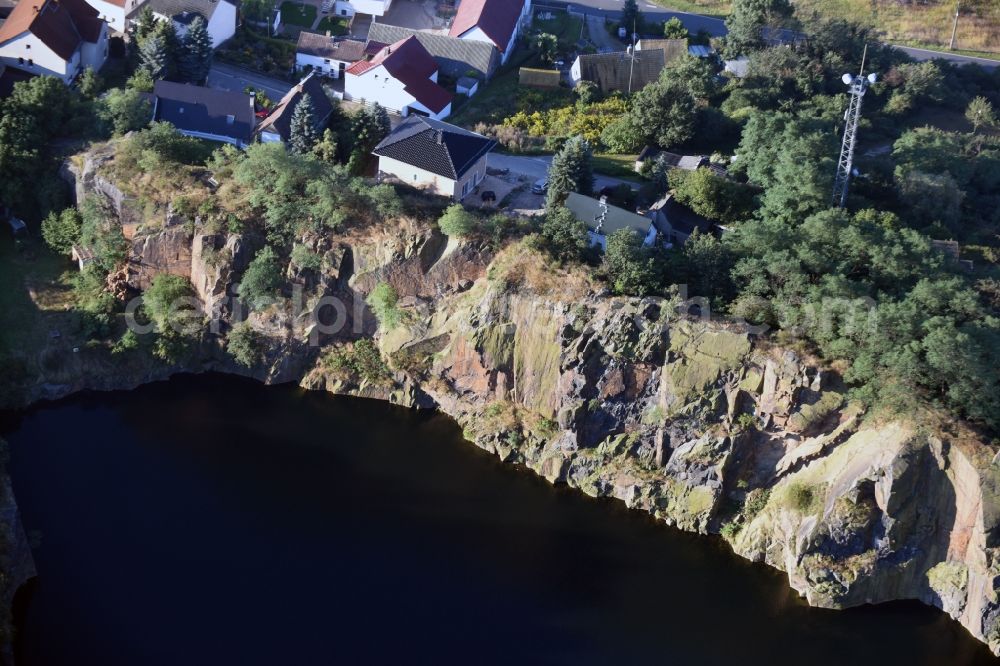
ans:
(801, 497)
(570, 120)
(810, 415)
(948, 577)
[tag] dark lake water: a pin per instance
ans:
(211, 520)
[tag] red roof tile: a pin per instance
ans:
(59, 25)
(408, 62)
(497, 18)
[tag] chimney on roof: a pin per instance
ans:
(439, 137)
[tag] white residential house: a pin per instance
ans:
(370, 7)
(402, 77)
(116, 12)
(219, 15)
(603, 219)
(329, 55)
(57, 38)
(495, 21)
(434, 156)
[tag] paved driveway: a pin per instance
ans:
(223, 76)
(537, 167)
(416, 14)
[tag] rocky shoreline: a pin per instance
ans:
(696, 422)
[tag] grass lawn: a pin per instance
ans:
(336, 26)
(565, 27)
(618, 166)
(35, 296)
(298, 14)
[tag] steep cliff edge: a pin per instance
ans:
(707, 429)
(696, 422)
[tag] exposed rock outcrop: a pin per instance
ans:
(695, 422)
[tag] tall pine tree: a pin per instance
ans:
(196, 53)
(572, 170)
(153, 57)
(302, 134)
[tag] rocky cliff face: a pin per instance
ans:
(695, 422)
(705, 429)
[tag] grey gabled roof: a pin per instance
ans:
(280, 120)
(455, 56)
(621, 71)
(435, 146)
(603, 218)
(204, 110)
(181, 9)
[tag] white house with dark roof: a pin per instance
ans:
(219, 15)
(434, 156)
(495, 21)
(205, 113)
(57, 38)
(402, 77)
(329, 55)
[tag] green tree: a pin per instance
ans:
(144, 25)
(195, 55)
(369, 126)
(62, 230)
(154, 59)
(90, 84)
(245, 345)
(631, 17)
(456, 221)
(326, 149)
(548, 47)
(674, 29)
(712, 196)
(170, 304)
(746, 21)
(262, 279)
(571, 170)
(663, 113)
(125, 110)
(383, 300)
(630, 266)
(980, 113)
(564, 236)
(302, 133)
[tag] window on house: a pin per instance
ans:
(27, 46)
(326, 61)
(230, 119)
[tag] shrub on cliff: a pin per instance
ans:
(170, 304)
(245, 344)
(62, 230)
(457, 221)
(564, 236)
(262, 279)
(383, 301)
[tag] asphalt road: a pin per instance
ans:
(717, 27)
(223, 76)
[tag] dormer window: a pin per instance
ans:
(27, 46)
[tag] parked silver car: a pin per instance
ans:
(540, 186)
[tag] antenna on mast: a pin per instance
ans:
(858, 87)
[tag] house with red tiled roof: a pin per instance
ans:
(402, 77)
(495, 21)
(57, 38)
